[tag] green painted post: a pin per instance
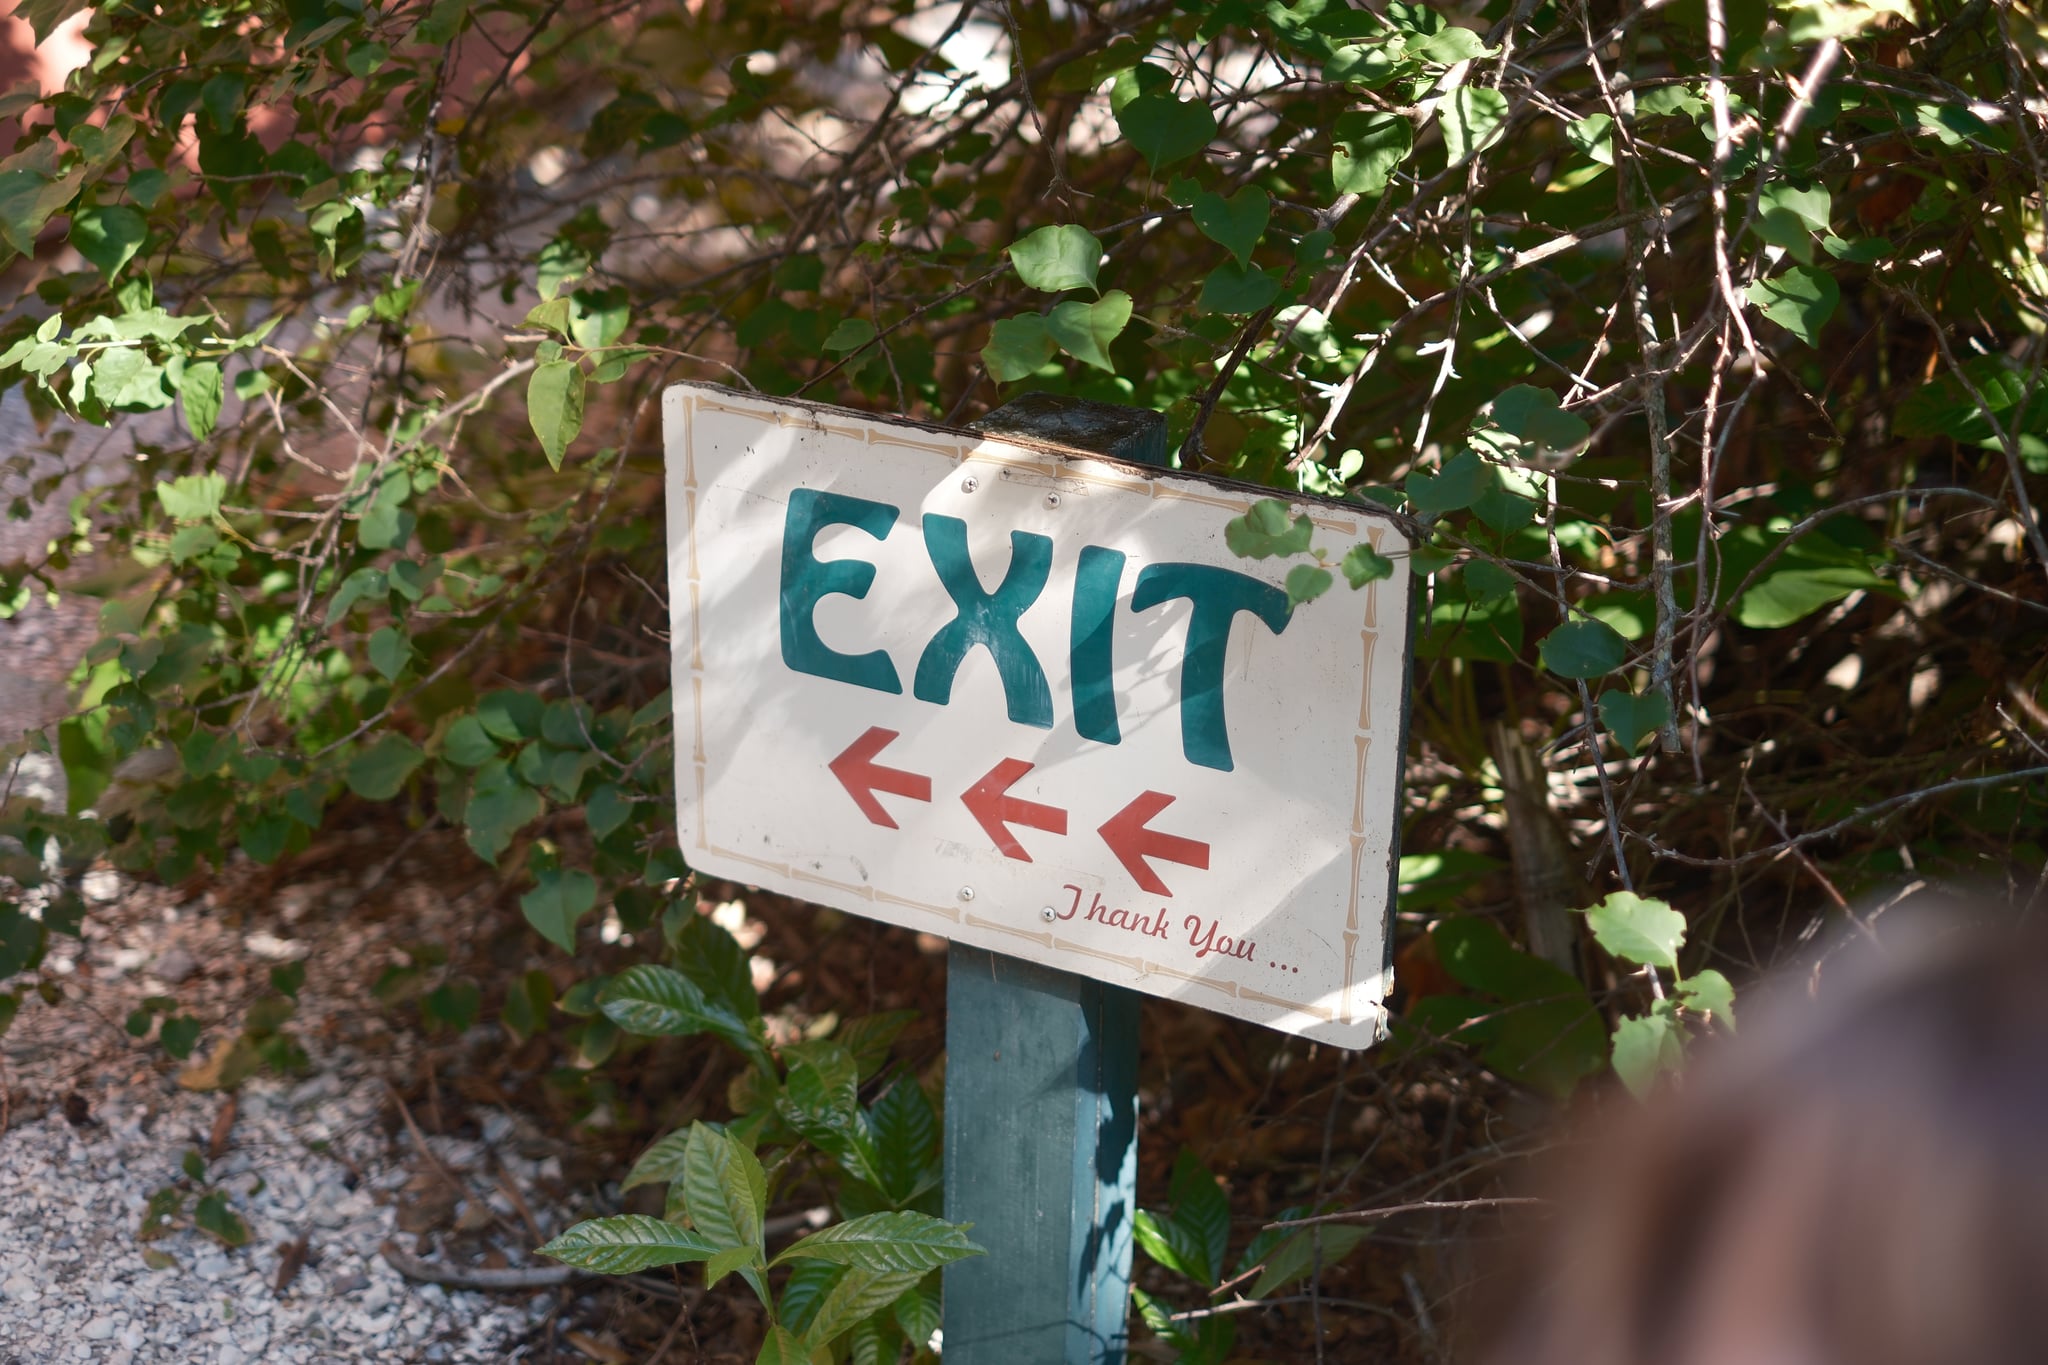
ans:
(1042, 1086)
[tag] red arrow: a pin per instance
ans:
(1132, 842)
(862, 777)
(987, 801)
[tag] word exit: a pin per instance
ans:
(990, 620)
(1028, 699)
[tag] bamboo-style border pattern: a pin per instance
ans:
(1067, 467)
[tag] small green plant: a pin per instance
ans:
(869, 1281)
(1535, 1023)
(210, 1212)
(1648, 933)
(1191, 1238)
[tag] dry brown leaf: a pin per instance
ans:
(597, 1349)
(233, 1061)
(223, 1127)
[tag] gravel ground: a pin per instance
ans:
(324, 1169)
(74, 1284)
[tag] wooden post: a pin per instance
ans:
(1042, 1086)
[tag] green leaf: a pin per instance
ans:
(554, 406)
(597, 317)
(1791, 593)
(659, 1001)
(200, 389)
(715, 963)
(1708, 992)
(1236, 223)
(1487, 582)
(1017, 347)
(1638, 929)
(1789, 217)
(21, 941)
(606, 810)
(27, 200)
(1450, 45)
(1058, 258)
(1645, 1046)
(378, 772)
(1268, 528)
(1533, 415)
(1084, 330)
(1165, 129)
(1201, 1207)
(1801, 300)
(850, 335)
(1298, 1256)
(661, 1162)
(560, 897)
(179, 1035)
(389, 651)
(467, 745)
(109, 236)
(511, 714)
(193, 497)
(495, 813)
(1464, 477)
(727, 1261)
(906, 1131)
(148, 185)
(1367, 147)
(1177, 1248)
(1863, 251)
(724, 1187)
(1472, 118)
(1593, 135)
(628, 1243)
(916, 1311)
(1669, 100)
(783, 1347)
(550, 316)
(213, 1217)
(1307, 582)
(1583, 648)
(861, 1291)
(820, 1102)
(190, 542)
(1362, 565)
(1633, 718)
(1234, 288)
(365, 59)
(901, 1241)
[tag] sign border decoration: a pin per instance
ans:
(1363, 995)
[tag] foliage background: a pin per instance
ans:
(1703, 341)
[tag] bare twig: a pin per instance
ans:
(1395, 1210)
(511, 1278)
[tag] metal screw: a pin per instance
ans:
(969, 484)
(966, 893)
(1047, 913)
(1052, 500)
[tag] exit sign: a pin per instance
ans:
(1027, 699)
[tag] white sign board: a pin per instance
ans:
(1027, 699)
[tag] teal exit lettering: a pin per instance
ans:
(806, 580)
(1217, 596)
(988, 619)
(1091, 648)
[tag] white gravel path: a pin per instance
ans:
(74, 1285)
(93, 1122)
